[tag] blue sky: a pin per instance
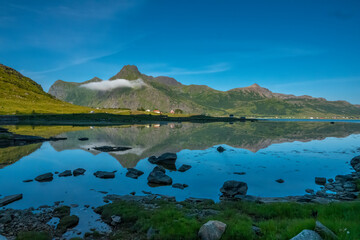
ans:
(299, 47)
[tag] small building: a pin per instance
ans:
(147, 110)
(157, 111)
(172, 111)
(91, 111)
(231, 115)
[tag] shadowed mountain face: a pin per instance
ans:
(166, 93)
(150, 140)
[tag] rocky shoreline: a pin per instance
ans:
(341, 189)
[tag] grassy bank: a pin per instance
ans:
(276, 220)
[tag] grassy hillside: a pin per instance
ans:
(165, 93)
(21, 95)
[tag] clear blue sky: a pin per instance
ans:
(299, 47)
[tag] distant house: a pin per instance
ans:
(148, 110)
(172, 111)
(91, 111)
(157, 111)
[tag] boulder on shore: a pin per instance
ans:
(233, 188)
(212, 230)
(220, 149)
(324, 231)
(320, 180)
(307, 235)
(111, 149)
(166, 158)
(47, 177)
(158, 177)
(104, 174)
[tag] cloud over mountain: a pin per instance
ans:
(113, 84)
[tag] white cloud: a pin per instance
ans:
(113, 84)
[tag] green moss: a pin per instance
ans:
(66, 223)
(33, 236)
(62, 211)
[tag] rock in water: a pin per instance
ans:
(47, 177)
(134, 173)
(212, 230)
(65, 173)
(307, 235)
(158, 176)
(105, 175)
(179, 185)
(320, 180)
(9, 199)
(79, 171)
(166, 158)
(232, 188)
(184, 168)
(280, 180)
(66, 223)
(111, 149)
(220, 149)
(324, 231)
(355, 163)
(83, 139)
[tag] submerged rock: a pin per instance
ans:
(158, 177)
(79, 171)
(232, 188)
(9, 199)
(212, 230)
(47, 177)
(134, 173)
(184, 168)
(104, 174)
(83, 139)
(111, 149)
(220, 149)
(280, 180)
(307, 235)
(65, 173)
(240, 173)
(179, 185)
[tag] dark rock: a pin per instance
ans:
(47, 177)
(311, 191)
(184, 168)
(355, 163)
(324, 231)
(179, 185)
(307, 235)
(166, 158)
(240, 173)
(158, 177)
(134, 173)
(199, 200)
(79, 171)
(61, 212)
(9, 199)
(320, 180)
(105, 175)
(212, 230)
(111, 149)
(280, 180)
(220, 149)
(232, 188)
(256, 230)
(83, 139)
(28, 180)
(65, 173)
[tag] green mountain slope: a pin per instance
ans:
(20, 94)
(166, 93)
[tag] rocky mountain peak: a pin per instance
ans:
(129, 72)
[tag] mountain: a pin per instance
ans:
(165, 93)
(20, 94)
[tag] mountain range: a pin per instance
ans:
(133, 90)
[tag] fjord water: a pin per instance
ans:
(293, 151)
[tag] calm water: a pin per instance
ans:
(294, 151)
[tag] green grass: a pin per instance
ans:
(276, 220)
(33, 236)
